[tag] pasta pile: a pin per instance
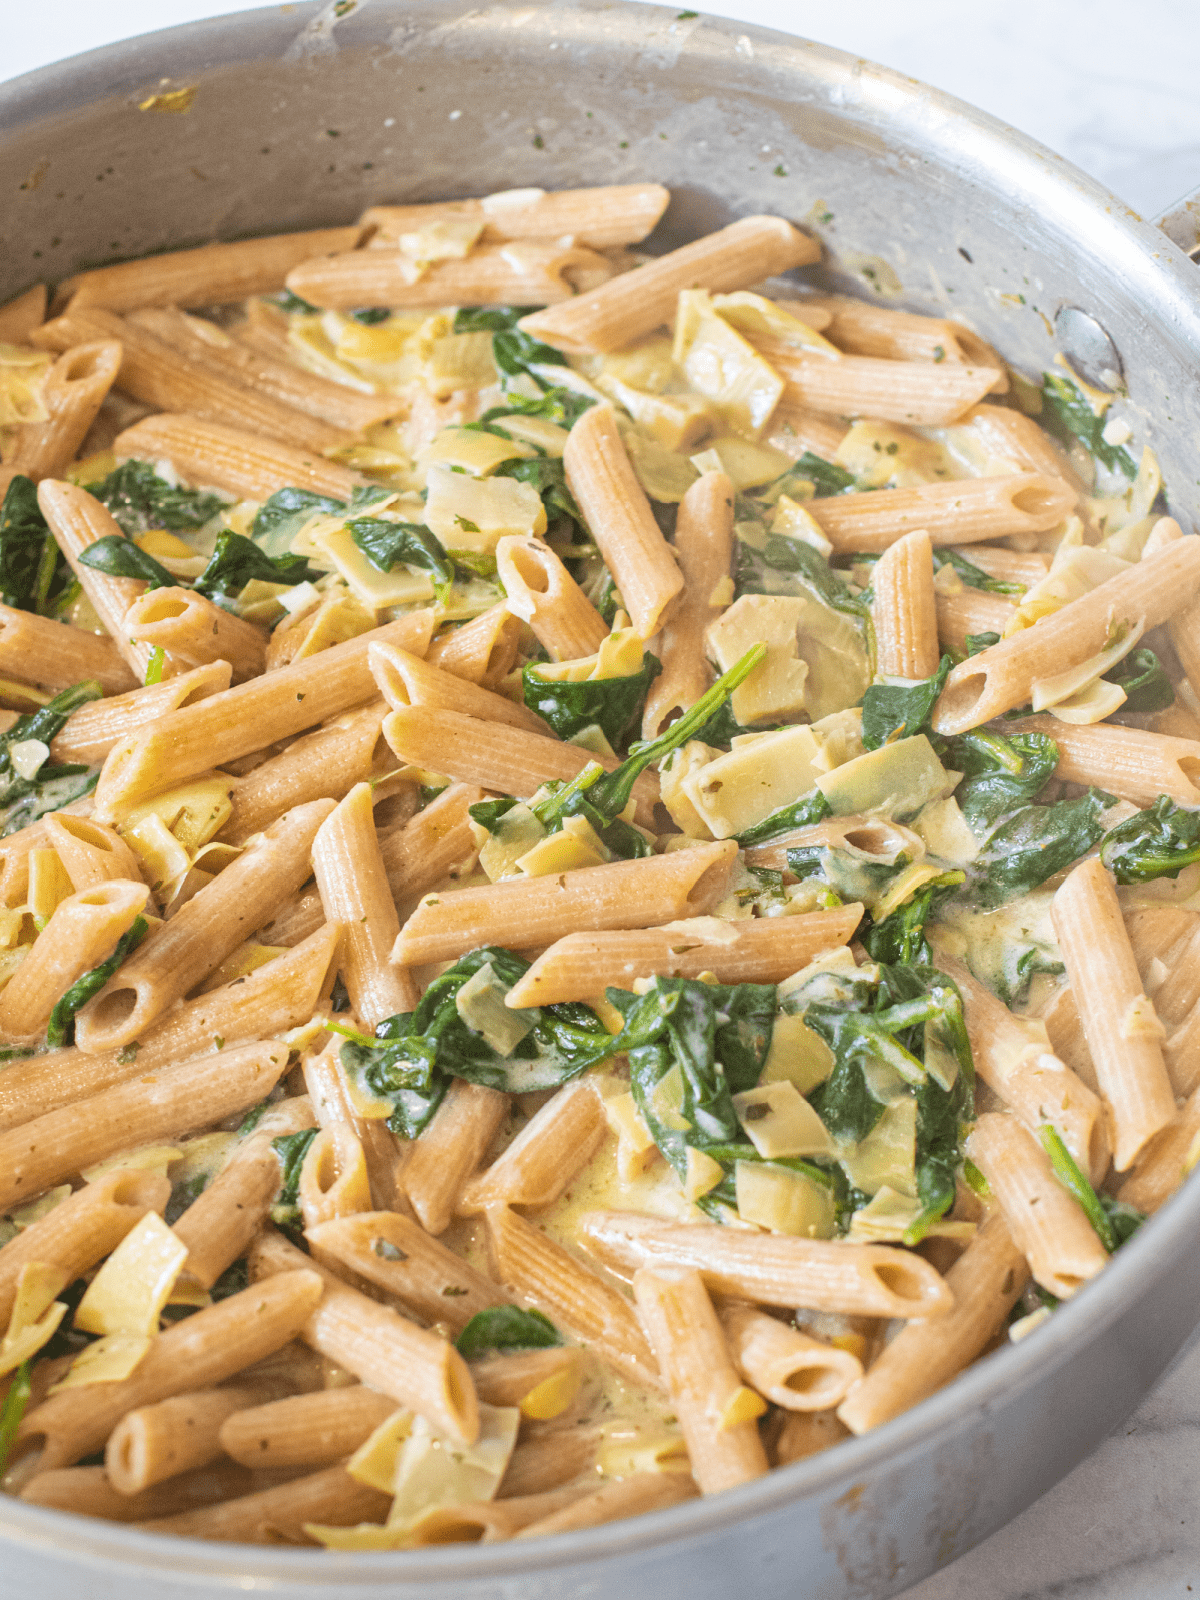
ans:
(600, 869)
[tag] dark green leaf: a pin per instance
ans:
(999, 773)
(615, 705)
(237, 561)
(974, 577)
(233, 1280)
(506, 1328)
(487, 813)
(1157, 843)
(1124, 1219)
(289, 302)
(1067, 1171)
(548, 477)
(1146, 685)
(280, 518)
(121, 558)
(82, 990)
(789, 566)
(139, 499)
(291, 1148)
(891, 712)
(514, 352)
(23, 800)
(13, 1409)
(369, 315)
(386, 543)
(1033, 844)
(976, 642)
(561, 406)
(34, 574)
(826, 477)
(801, 813)
(1067, 413)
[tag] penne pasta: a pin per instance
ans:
(193, 632)
(863, 329)
(1129, 762)
(72, 393)
(488, 1521)
(331, 1498)
(157, 1442)
(634, 1496)
(913, 392)
(796, 431)
(784, 1365)
(91, 853)
(93, 730)
(36, 650)
(973, 611)
(543, 593)
(21, 315)
(89, 1492)
(304, 1430)
(405, 680)
(904, 610)
(544, 1158)
(482, 651)
(433, 846)
(599, 218)
(450, 1149)
(329, 1092)
(952, 513)
(1162, 1164)
(233, 458)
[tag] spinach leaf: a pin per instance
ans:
(514, 352)
(1124, 1219)
(370, 315)
(900, 937)
(891, 712)
(974, 577)
(548, 477)
(1033, 844)
(789, 566)
(1146, 685)
(120, 558)
(139, 499)
(62, 1018)
(615, 705)
(291, 1149)
(280, 518)
(999, 773)
(1068, 1173)
(561, 406)
(487, 813)
(233, 1280)
(1157, 843)
(801, 813)
(386, 543)
(13, 1409)
(34, 573)
(826, 477)
(23, 800)
(237, 561)
(976, 642)
(941, 1115)
(292, 303)
(1068, 415)
(506, 1328)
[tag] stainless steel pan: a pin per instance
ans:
(300, 118)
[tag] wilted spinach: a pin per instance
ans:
(614, 705)
(891, 712)
(23, 800)
(139, 499)
(1157, 843)
(34, 573)
(386, 543)
(1146, 685)
(237, 561)
(1067, 414)
(506, 1328)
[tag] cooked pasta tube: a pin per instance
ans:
(507, 760)
(96, 727)
(305, 1430)
(867, 1280)
(450, 1149)
(601, 217)
(621, 1497)
(543, 593)
(784, 1365)
(806, 1433)
(180, 953)
(21, 315)
(1129, 762)
(1179, 990)
(619, 894)
(1182, 1053)
(82, 1229)
(482, 651)
(200, 1352)
(281, 380)
(547, 1460)
(984, 1282)
(490, 1521)
(1036, 1085)
(957, 512)
(432, 846)
(795, 430)
(574, 1297)
(280, 995)
(1002, 677)
(194, 631)
(716, 1412)
(406, 680)
(758, 950)
(34, 649)
(83, 932)
(72, 392)
(872, 840)
(1184, 629)
(864, 329)
(207, 276)
(278, 1515)
(1122, 1031)
(1047, 1224)
(1011, 435)
(913, 392)
(160, 1441)
(77, 520)
(1026, 567)
(223, 1219)
(17, 848)
(354, 891)
(971, 611)
(620, 312)
(550, 1150)
(1161, 1165)
(232, 458)
(601, 477)
(91, 853)
(175, 1100)
(904, 610)
(704, 551)
(380, 1347)
(160, 376)
(527, 272)
(512, 1380)
(396, 1255)
(333, 1178)
(328, 1090)
(89, 1492)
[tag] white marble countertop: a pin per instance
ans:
(1112, 85)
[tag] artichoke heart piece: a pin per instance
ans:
(784, 1201)
(719, 363)
(780, 1122)
(816, 661)
(887, 1156)
(473, 451)
(894, 781)
(759, 775)
(474, 514)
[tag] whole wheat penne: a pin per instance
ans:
(806, 1433)
(305, 1430)
(1182, 1053)
(354, 891)
(185, 1096)
(432, 846)
(244, 719)
(450, 1149)
(482, 651)
(704, 551)
(1184, 629)
(95, 728)
(207, 276)
(786, 1366)
(600, 217)
(795, 430)
(985, 1282)
(201, 1351)
(511, 1380)
(615, 314)
(225, 1216)
(328, 1090)
(621, 1497)
(547, 1460)
(1179, 989)
(1036, 1085)
(1001, 677)
(970, 611)
(72, 392)
(91, 853)
(550, 1150)
(490, 1521)
(406, 680)
(904, 609)
(83, 932)
(689, 1345)
(618, 894)
(1010, 435)
(82, 1229)
(872, 840)
(957, 512)
(507, 760)
(573, 1296)
(601, 477)
(864, 329)
(194, 631)
(758, 950)
(1047, 1224)
(281, 380)
(775, 1270)
(89, 1492)
(331, 1498)
(232, 458)
(333, 1178)
(543, 593)
(34, 649)
(1026, 567)
(21, 315)
(278, 996)
(379, 1346)
(160, 1441)
(396, 1255)
(1162, 1164)
(1129, 762)
(913, 392)
(1122, 1031)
